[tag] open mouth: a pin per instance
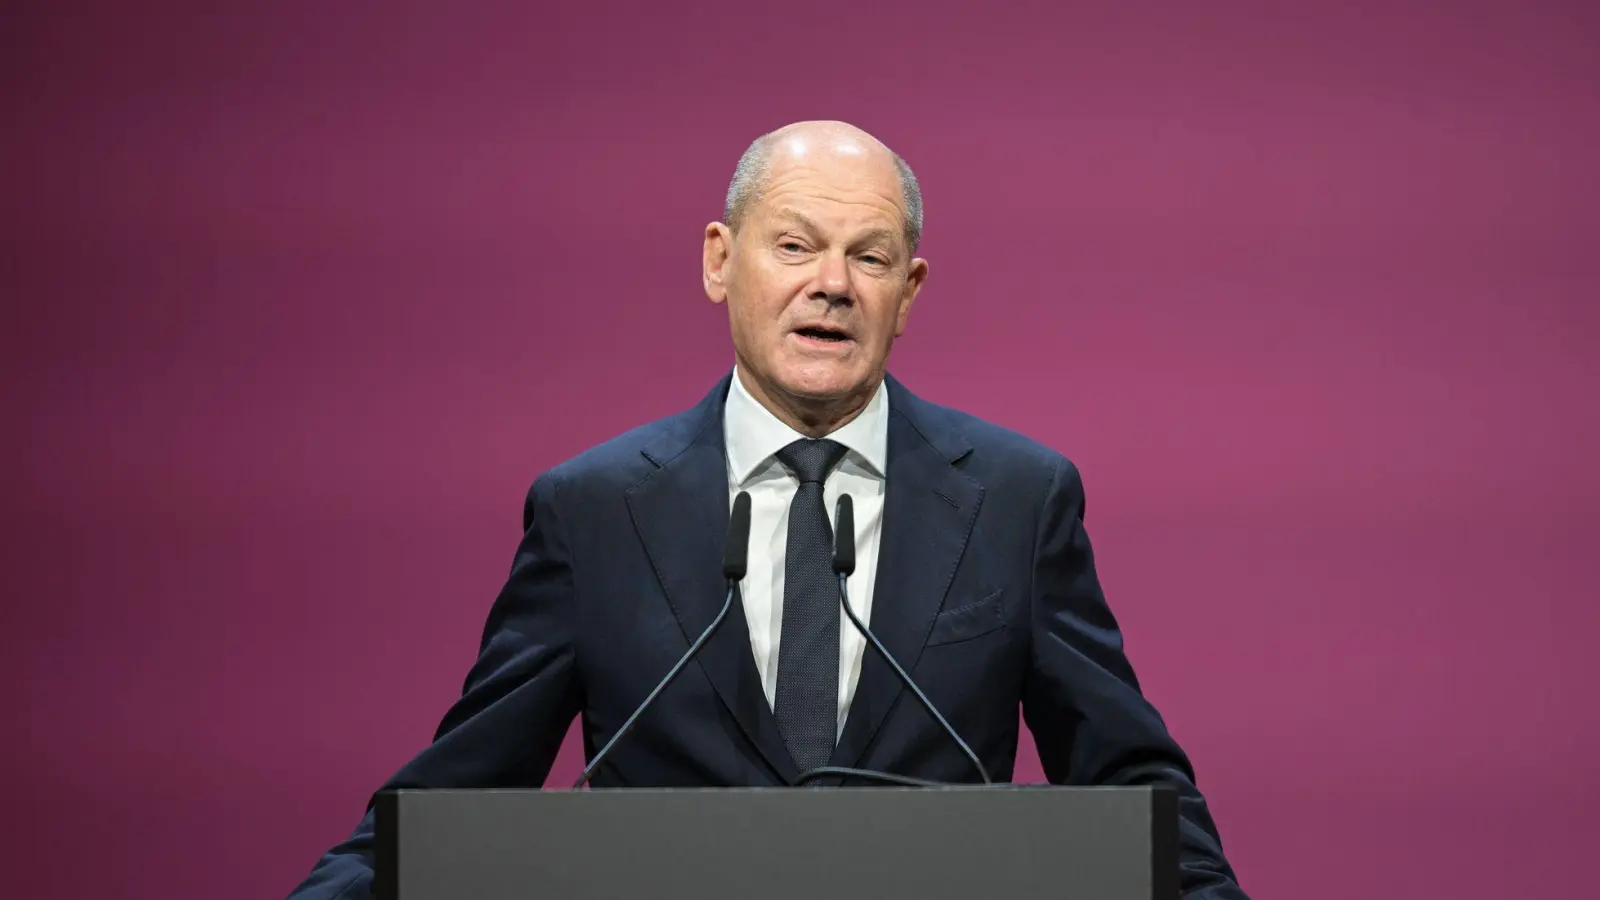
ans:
(821, 333)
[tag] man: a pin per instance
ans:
(973, 567)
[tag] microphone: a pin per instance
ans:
(844, 565)
(735, 561)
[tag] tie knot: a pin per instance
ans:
(811, 459)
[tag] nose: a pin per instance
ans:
(833, 280)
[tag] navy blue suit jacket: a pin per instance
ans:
(986, 593)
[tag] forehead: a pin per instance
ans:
(852, 194)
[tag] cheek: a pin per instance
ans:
(883, 311)
(761, 302)
(759, 315)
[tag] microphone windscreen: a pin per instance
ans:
(844, 536)
(736, 555)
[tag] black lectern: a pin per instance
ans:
(961, 843)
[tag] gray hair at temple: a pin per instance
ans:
(751, 173)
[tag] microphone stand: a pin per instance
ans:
(627, 726)
(735, 560)
(844, 564)
(809, 776)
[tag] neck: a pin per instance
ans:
(809, 416)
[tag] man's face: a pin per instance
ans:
(820, 280)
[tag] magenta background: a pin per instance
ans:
(298, 301)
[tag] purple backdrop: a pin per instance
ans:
(299, 300)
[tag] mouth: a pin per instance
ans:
(825, 334)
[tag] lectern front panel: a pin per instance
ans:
(1013, 841)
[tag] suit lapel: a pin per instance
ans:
(929, 510)
(681, 514)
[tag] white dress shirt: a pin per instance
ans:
(753, 435)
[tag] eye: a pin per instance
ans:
(874, 260)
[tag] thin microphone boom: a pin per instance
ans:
(735, 561)
(844, 564)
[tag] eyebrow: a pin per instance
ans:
(880, 233)
(797, 218)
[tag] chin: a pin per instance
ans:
(825, 382)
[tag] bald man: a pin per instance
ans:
(972, 564)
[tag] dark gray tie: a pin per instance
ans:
(807, 705)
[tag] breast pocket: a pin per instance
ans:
(968, 621)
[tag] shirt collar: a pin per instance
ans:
(753, 434)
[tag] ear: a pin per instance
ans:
(715, 258)
(914, 281)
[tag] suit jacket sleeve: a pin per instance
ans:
(518, 701)
(1082, 700)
